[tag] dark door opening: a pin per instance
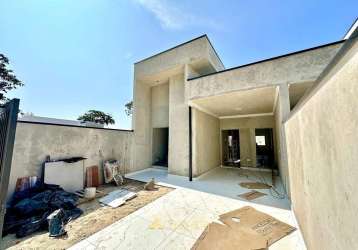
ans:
(160, 147)
(264, 148)
(231, 148)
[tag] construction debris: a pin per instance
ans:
(254, 185)
(243, 229)
(150, 185)
(117, 198)
(252, 195)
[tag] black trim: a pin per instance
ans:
(190, 148)
(269, 59)
(75, 126)
(182, 45)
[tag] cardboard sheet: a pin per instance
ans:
(243, 229)
(254, 185)
(251, 195)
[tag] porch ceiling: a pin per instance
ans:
(239, 103)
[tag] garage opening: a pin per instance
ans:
(160, 147)
(264, 148)
(231, 148)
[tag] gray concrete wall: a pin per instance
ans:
(142, 125)
(323, 155)
(297, 68)
(33, 142)
(281, 113)
(247, 126)
(206, 142)
(178, 160)
(160, 106)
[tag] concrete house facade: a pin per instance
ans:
(187, 106)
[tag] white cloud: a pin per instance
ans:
(171, 16)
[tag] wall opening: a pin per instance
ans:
(160, 147)
(264, 148)
(231, 148)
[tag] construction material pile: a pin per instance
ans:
(30, 210)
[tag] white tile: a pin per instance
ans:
(83, 245)
(177, 242)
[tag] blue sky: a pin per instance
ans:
(76, 55)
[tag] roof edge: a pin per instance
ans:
(181, 44)
(269, 59)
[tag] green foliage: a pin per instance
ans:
(97, 117)
(8, 80)
(129, 108)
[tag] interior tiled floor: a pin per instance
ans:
(177, 219)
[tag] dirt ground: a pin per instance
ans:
(94, 218)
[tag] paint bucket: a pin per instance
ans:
(90, 192)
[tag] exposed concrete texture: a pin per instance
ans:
(160, 106)
(248, 122)
(178, 127)
(34, 142)
(301, 67)
(281, 113)
(323, 155)
(206, 142)
(142, 121)
(190, 52)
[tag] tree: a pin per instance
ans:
(97, 117)
(8, 80)
(129, 108)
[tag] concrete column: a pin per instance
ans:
(281, 114)
(142, 125)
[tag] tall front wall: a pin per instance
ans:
(33, 142)
(178, 158)
(322, 148)
(206, 142)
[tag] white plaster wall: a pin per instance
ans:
(160, 106)
(206, 142)
(178, 160)
(297, 68)
(323, 155)
(33, 142)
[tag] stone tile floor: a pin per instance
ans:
(176, 220)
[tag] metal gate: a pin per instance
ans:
(8, 119)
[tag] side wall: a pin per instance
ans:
(323, 155)
(206, 142)
(33, 142)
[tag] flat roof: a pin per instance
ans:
(181, 44)
(269, 59)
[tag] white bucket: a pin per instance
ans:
(90, 192)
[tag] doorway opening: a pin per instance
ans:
(231, 148)
(264, 148)
(160, 147)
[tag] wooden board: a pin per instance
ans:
(254, 185)
(92, 177)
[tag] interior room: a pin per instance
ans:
(160, 147)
